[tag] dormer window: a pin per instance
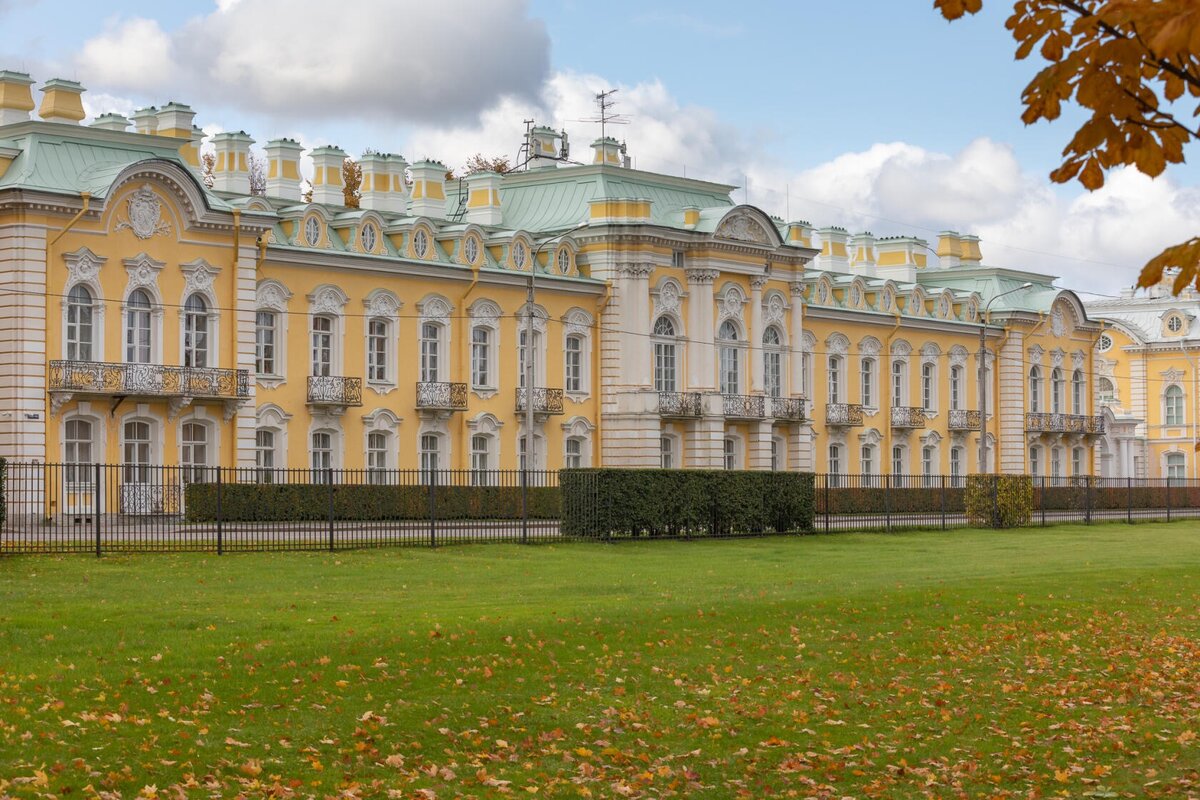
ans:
(1174, 323)
(564, 261)
(312, 231)
(471, 250)
(1105, 343)
(420, 244)
(368, 238)
(518, 254)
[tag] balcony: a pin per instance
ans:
(680, 404)
(438, 396)
(963, 420)
(181, 385)
(545, 401)
(788, 409)
(908, 417)
(843, 415)
(1064, 423)
(334, 391)
(744, 406)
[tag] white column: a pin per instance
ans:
(701, 367)
(637, 322)
(796, 337)
(760, 446)
(756, 334)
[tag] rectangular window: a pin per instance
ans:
(1056, 464)
(774, 455)
(956, 459)
(897, 460)
(1077, 462)
(835, 462)
(77, 451)
(899, 375)
(666, 452)
(773, 373)
(664, 367)
(377, 351)
(1034, 457)
(868, 382)
(956, 387)
(264, 343)
(928, 394)
(481, 460)
(835, 380)
(867, 457)
(573, 364)
(730, 379)
(429, 457)
(322, 456)
(481, 369)
(574, 454)
(322, 346)
(377, 457)
(1176, 468)
(430, 353)
(927, 464)
(264, 455)
(730, 454)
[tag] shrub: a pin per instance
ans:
(876, 500)
(999, 501)
(3, 491)
(658, 502)
(365, 502)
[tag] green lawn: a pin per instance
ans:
(1038, 663)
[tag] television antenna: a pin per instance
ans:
(604, 115)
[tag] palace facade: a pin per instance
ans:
(147, 318)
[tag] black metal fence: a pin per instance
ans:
(107, 508)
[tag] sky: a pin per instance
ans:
(869, 114)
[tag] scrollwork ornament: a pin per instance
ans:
(144, 214)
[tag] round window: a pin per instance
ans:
(518, 254)
(471, 249)
(420, 243)
(368, 238)
(564, 260)
(1105, 343)
(1174, 323)
(312, 231)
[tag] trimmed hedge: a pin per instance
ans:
(666, 502)
(1112, 495)
(310, 502)
(876, 500)
(999, 501)
(3, 491)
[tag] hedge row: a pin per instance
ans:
(3, 491)
(878, 500)
(657, 502)
(301, 502)
(999, 501)
(1077, 497)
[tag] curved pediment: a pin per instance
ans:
(748, 224)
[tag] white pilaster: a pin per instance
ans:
(756, 334)
(796, 338)
(701, 368)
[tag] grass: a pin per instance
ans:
(1062, 662)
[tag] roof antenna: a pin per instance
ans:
(604, 106)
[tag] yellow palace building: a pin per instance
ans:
(146, 318)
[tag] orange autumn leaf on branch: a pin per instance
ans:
(1135, 66)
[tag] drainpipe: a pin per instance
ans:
(464, 334)
(233, 285)
(886, 455)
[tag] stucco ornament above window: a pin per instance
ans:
(742, 228)
(145, 214)
(1058, 323)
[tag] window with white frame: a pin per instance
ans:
(379, 350)
(1078, 403)
(928, 462)
(776, 454)
(522, 354)
(899, 383)
(1057, 385)
(431, 344)
(956, 465)
(956, 388)
(929, 386)
(835, 379)
(730, 452)
(193, 452)
(265, 334)
(866, 459)
(867, 381)
(1077, 461)
(664, 356)
(481, 459)
(835, 460)
(1035, 389)
(573, 452)
(1105, 392)
(1056, 464)
(81, 310)
(321, 451)
(430, 455)
(322, 345)
(1035, 457)
(773, 362)
(1176, 467)
(666, 452)
(481, 357)
(379, 448)
(77, 450)
(136, 449)
(1173, 406)
(195, 331)
(729, 358)
(573, 363)
(138, 341)
(265, 442)
(899, 462)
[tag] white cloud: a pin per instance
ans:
(304, 59)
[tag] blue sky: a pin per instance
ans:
(863, 113)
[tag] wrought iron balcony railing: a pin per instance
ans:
(744, 406)
(680, 404)
(908, 417)
(334, 390)
(788, 408)
(442, 396)
(963, 420)
(1064, 423)
(846, 415)
(545, 401)
(157, 380)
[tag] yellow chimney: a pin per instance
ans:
(62, 101)
(949, 249)
(970, 251)
(16, 98)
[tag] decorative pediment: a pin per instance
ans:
(1173, 375)
(667, 299)
(434, 308)
(742, 227)
(730, 303)
(837, 344)
(485, 311)
(958, 355)
(1058, 322)
(83, 266)
(144, 214)
(273, 295)
(869, 346)
(382, 303)
(198, 276)
(327, 300)
(1036, 353)
(774, 309)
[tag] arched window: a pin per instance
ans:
(195, 331)
(956, 388)
(1056, 465)
(1078, 406)
(193, 455)
(664, 356)
(730, 372)
(1056, 391)
(431, 340)
(1173, 412)
(138, 309)
(378, 351)
(80, 313)
(573, 363)
(835, 380)
(1035, 390)
(481, 356)
(867, 382)
(928, 386)
(322, 345)
(1105, 391)
(772, 362)
(77, 450)
(322, 456)
(899, 383)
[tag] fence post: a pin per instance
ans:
(1042, 498)
(1129, 500)
(1087, 499)
(943, 502)
(887, 502)
(96, 507)
(329, 483)
(432, 508)
(525, 503)
(825, 477)
(1168, 499)
(220, 524)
